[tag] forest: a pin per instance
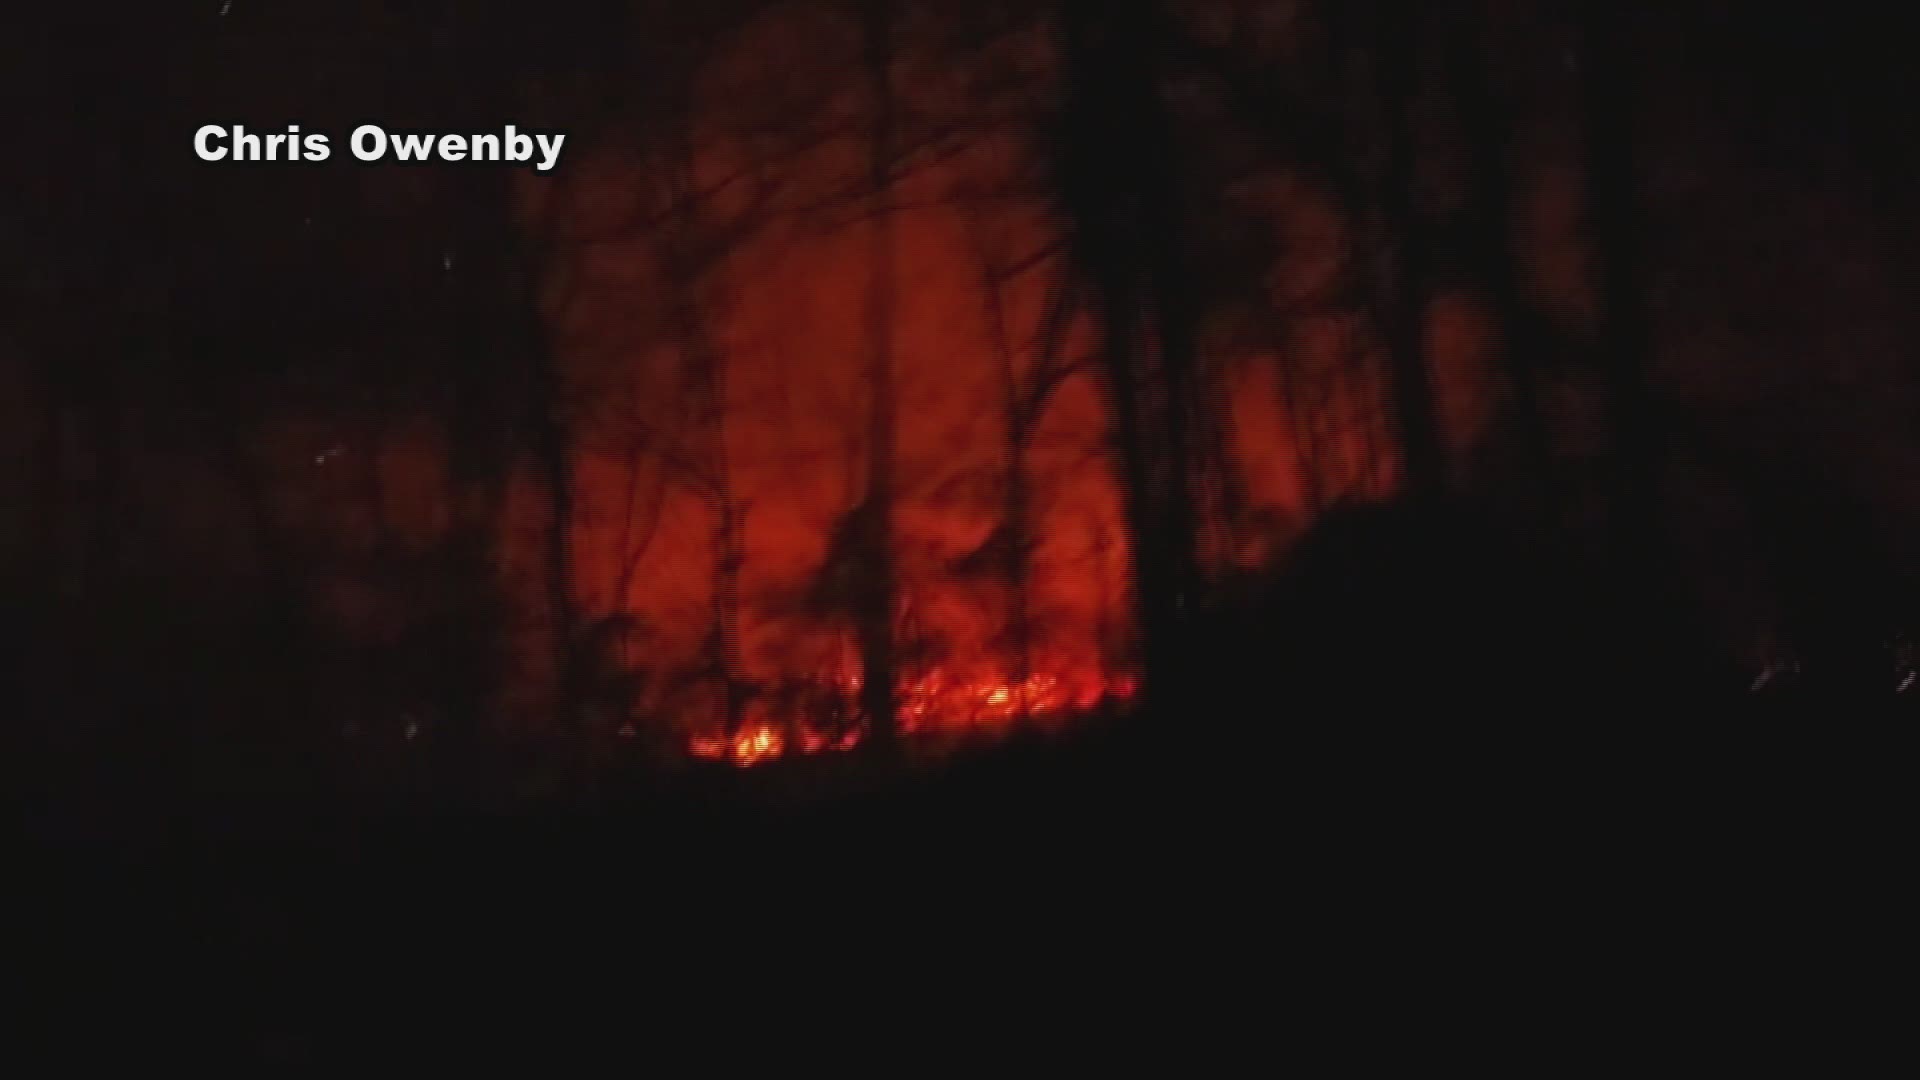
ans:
(875, 384)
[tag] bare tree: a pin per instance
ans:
(1347, 124)
(1116, 191)
(1492, 243)
(706, 366)
(875, 605)
(1406, 296)
(1027, 386)
(1625, 336)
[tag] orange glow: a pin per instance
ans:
(751, 746)
(773, 456)
(935, 704)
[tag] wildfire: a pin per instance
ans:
(937, 702)
(750, 746)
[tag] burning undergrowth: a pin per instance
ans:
(942, 707)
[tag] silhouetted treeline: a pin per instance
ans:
(1296, 361)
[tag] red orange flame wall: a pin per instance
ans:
(776, 283)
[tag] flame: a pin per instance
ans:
(750, 746)
(937, 702)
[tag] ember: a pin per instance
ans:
(750, 746)
(934, 705)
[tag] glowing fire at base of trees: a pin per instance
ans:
(939, 703)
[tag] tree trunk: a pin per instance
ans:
(1020, 408)
(1423, 459)
(552, 446)
(1625, 334)
(1492, 239)
(1117, 193)
(708, 368)
(500, 352)
(874, 614)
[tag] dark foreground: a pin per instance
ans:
(1423, 772)
(1117, 859)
